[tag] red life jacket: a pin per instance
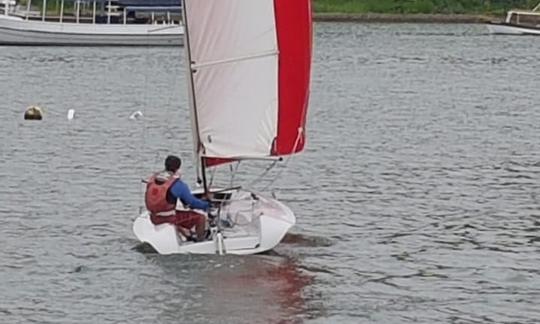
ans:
(156, 195)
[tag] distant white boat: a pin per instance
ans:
(16, 30)
(518, 22)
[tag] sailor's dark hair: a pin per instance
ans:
(172, 163)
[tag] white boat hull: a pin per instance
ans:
(16, 31)
(507, 29)
(258, 225)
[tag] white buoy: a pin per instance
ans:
(136, 115)
(71, 114)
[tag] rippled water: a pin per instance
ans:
(418, 195)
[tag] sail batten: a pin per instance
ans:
(250, 71)
(234, 59)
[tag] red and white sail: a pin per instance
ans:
(249, 70)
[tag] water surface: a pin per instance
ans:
(417, 198)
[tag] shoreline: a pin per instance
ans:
(406, 18)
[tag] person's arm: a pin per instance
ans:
(181, 191)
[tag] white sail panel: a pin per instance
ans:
(233, 46)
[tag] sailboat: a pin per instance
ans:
(249, 65)
(110, 28)
(518, 22)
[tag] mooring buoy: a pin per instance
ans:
(136, 115)
(71, 114)
(33, 113)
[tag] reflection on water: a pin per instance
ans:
(253, 289)
(268, 288)
(417, 197)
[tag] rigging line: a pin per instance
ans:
(233, 172)
(142, 143)
(212, 174)
(263, 174)
(142, 146)
(297, 141)
(161, 29)
(141, 168)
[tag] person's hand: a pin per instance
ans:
(208, 196)
(212, 214)
(215, 203)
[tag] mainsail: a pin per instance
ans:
(249, 72)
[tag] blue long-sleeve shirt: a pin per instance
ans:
(181, 191)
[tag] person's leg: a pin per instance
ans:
(184, 231)
(200, 228)
(189, 219)
(158, 220)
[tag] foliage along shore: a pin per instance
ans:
(406, 18)
(440, 11)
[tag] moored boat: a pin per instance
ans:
(518, 22)
(80, 30)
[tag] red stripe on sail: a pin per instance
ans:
(294, 34)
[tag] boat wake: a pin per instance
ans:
(306, 240)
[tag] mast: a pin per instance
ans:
(61, 10)
(200, 164)
(28, 9)
(44, 10)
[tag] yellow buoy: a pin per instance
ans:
(33, 113)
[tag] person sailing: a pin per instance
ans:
(163, 189)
